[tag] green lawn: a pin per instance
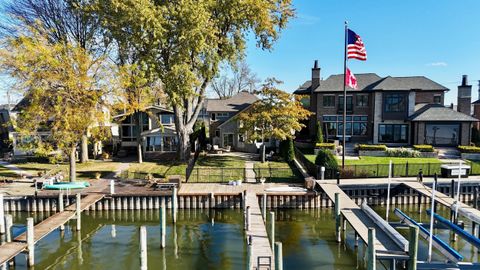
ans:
(159, 169)
(475, 167)
(218, 169)
(277, 171)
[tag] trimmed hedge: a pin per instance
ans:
(371, 147)
(469, 149)
(423, 148)
(330, 146)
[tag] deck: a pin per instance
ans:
(9, 250)
(260, 243)
(385, 246)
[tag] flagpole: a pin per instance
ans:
(344, 94)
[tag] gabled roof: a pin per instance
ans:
(373, 82)
(439, 113)
(236, 103)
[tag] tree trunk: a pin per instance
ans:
(263, 153)
(84, 149)
(139, 138)
(73, 159)
(183, 144)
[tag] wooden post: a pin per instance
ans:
(249, 253)
(112, 187)
(322, 173)
(30, 242)
(413, 248)
(337, 216)
(475, 205)
(419, 203)
(162, 224)
(2, 215)
(264, 207)
(371, 249)
(247, 218)
(79, 214)
(272, 230)
(61, 207)
(143, 248)
(278, 256)
(8, 228)
(174, 204)
(452, 195)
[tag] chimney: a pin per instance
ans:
(478, 89)
(315, 76)
(464, 98)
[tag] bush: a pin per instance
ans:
(403, 152)
(423, 148)
(290, 156)
(319, 138)
(326, 159)
(469, 149)
(371, 147)
(330, 146)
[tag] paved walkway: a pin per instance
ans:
(249, 172)
(15, 169)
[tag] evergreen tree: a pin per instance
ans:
(319, 138)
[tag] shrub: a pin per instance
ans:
(319, 138)
(423, 148)
(402, 152)
(469, 149)
(330, 146)
(326, 159)
(371, 147)
(290, 155)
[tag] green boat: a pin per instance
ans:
(67, 185)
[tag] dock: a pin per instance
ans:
(386, 245)
(9, 250)
(261, 250)
(463, 209)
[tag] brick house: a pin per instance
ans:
(388, 110)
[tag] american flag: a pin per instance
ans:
(355, 46)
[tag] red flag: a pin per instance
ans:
(350, 79)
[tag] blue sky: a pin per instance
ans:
(439, 39)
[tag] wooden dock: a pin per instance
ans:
(9, 250)
(464, 209)
(261, 247)
(385, 246)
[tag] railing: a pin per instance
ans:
(381, 170)
(216, 175)
(285, 174)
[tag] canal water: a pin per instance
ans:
(204, 239)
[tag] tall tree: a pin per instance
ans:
(63, 84)
(234, 79)
(276, 114)
(63, 21)
(183, 41)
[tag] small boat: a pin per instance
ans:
(67, 185)
(286, 189)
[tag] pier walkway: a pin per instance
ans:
(386, 246)
(463, 209)
(9, 250)
(261, 250)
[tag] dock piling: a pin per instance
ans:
(174, 205)
(264, 206)
(371, 249)
(61, 207)
(8, 228)
(278, 256)
(2, 215)
(413, 247)
(322, 173)
(272, 229)
(112, 187)
(143, 248)
(162, 224)
(247, 219)
(30, 242)
(79, 212)
(249, 252)
(337, 217)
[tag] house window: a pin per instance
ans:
(166, 119)
(389, 133)
(349, 104)
(362, 100)
(217, 133)
(356, 125)
(222, 115)
(213, 117)
(241, 138)
(437, 99)
(442, 134)
(154, 144)
(395, 103)
(169, 144)
(328, 101)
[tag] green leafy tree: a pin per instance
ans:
(183, 42)
(326, 159)
(276, 114)
(319, 135)
(63, 85)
